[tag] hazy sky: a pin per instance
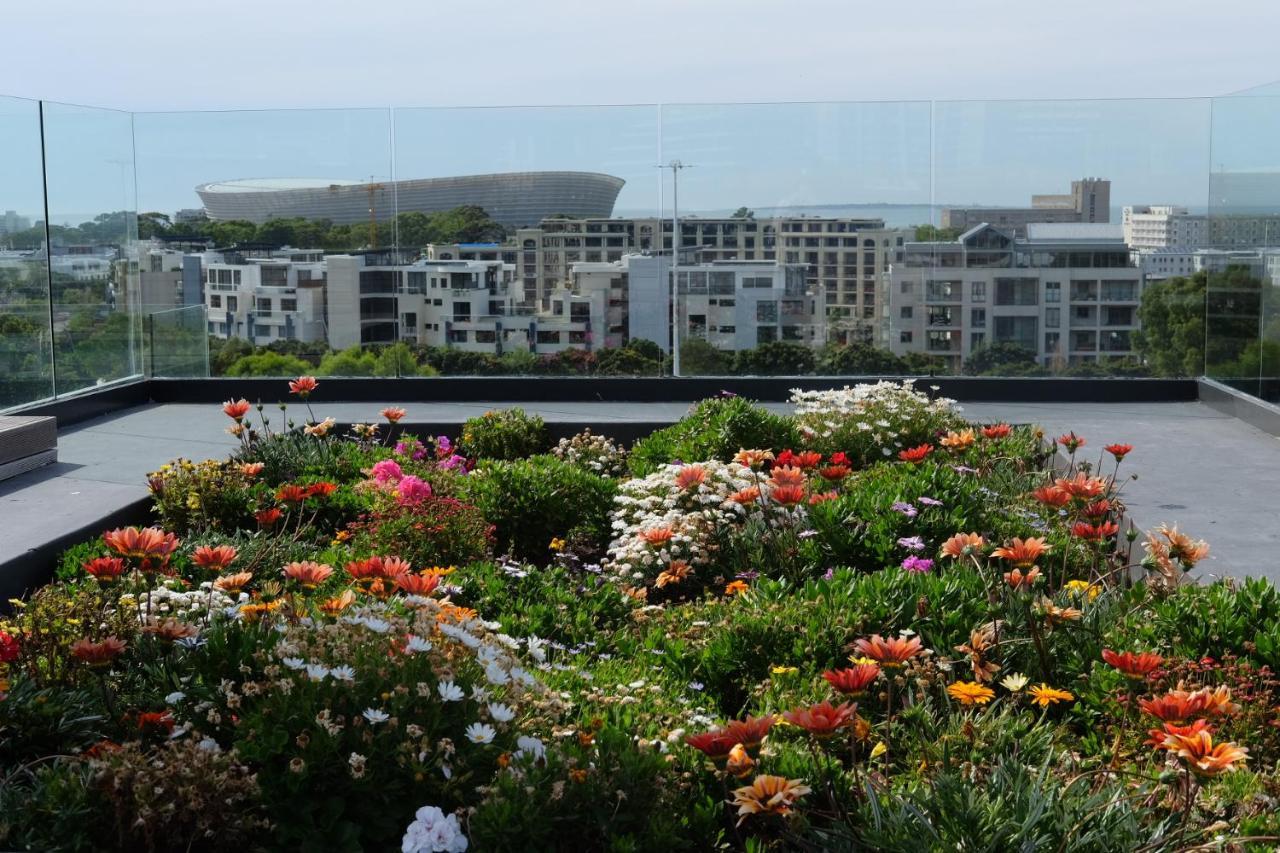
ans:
(163, 58)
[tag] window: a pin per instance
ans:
(904, 287)
(904, 337)
(766, 334)
(976, 340)
(548, 337)
(977, 316)
(235, 276)
(1053, 317)
(1051, 340)
(1117, 316)
(462, 311)
(906, 312)
(1016, 291)
(1016, 330)
(978, 291)
(486, 336)
(215, 301)
(1052, 291)
(767, 311)
(232, 304)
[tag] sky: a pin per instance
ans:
(809, 102)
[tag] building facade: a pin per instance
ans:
(1065, 293)
(265, 295)
(1088, 201)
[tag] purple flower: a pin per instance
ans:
(443, 444)
(912, 543)
(917, 564)
(829, 574)
(964, 469)
(929, 502)
(747, 575)
(905, 508)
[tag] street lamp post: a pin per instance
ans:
(674, 289)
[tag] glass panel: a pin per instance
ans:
(542, 278)
(177, 340)
(1242, 325)
(808, 207)
(246, 213)
(1054, 215)
(93, 228)
(26, 341)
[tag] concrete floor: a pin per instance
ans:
(1216, 476)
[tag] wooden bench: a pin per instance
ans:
(26, 443)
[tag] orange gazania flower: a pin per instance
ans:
(303, 386)
(753, 458)
(673, 574)
(1182, 547)
(962, 545)
(822, 497)
(254, 611)
(101, 653)
(292, 493)
(1071, 441)
(1095, 532)
(915, 454)
(834, 473)
(105, 569)
(739, 763)
(155, 720)
(751, 731)
(234, 582)
(1135, 665)
(1156, 737)
(786, 475)
(146, 544)
(1202, 756)
(268, 517)
(1044, 695)
(1052, 496)
(169, 630)
(657, 536)
(394, 414)
(1217, 700)
(417, 584)
(366, 571)
(321, 490)
(393, 567)
(215, 559)
(1098, 509)
(308, 573)
(334, 606)
(236, 409)
(997, 431)
(1119, 451)
(787, 495)
(852, 681)
(690, 476)
(749, 495)
(806, 459)
(823, 719)
(736, 587)
(251, 469)
(890, 653)
(1082, 486)
(773, 795)
(1055, 614)
(954, 440)
(715, 744)
(970, 693)
(1018, 580)
(1022, 552)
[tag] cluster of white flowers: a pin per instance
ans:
(885, 411)
(693, 510)
(186, 605)
(594, 452)
(432, 831)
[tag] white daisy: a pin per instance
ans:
(450, 692)
(417, 644)
(481, 733)
(501, 713)
(343, 673)
(375, 716)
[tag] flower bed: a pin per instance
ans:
(872, 625)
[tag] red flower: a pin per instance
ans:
(268, 517)
(303, 386)
(1098, 509)
(105, 569)
(1082, 486)
(840, 458)
(1052, 496)
(997, 431)
(292, 493)
(322, 489)
(822, 497)
(788, 495)
(394, 414)
(1119, 451)
(808, 459)
(824, 719)
(1133, 665)
(1095, 532)
(9, 648)
(308, 573)
(915, 454)
(749, 732)
(415, 584)
(834, 473)
(214, 559)
(144, 544)
(366, 571)
(853, 681)
(98, 654)
(714, 744)
(893, 652)
(786, 459)
(1071, 441)
(236, 409)
(158, 721)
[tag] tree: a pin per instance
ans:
(1173, 314)
(1003, 358)
(699, 358)
(858, 359)
(232, 231)
(775, 358)
(933, 234)
(744, 213)
(352, 361)
(153, 224)
(269, 364)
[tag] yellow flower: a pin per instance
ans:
(735, 587)
(859, 660)
(1014, 682)
(768, 795)
(1079, 587)
(970, 693)
(879, 749)
(783, 670)
(557, 544)
(1044, 695)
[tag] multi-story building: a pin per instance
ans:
(1167, 263)
(264, 295)
(1088, 201)
(1068, 293)
(1155, 227)
(844, 260)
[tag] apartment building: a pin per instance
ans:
(845, 260)
(263, 295)
(1068, 293)
(1088, 201)
(1156, 227)
(1167, 263)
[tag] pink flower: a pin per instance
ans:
(917, 564)
(386, 470)
(413, 490)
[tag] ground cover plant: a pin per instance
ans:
(870, 625)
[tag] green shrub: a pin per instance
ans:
(505, 434)
(531, 501)
(714, 429)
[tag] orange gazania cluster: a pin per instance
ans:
(1023, 553)
(853, 681)
(768, 795)
(151, 546)
(963, 545)
(891, 653)
(823, 719)
(1138, 665)
(718, 743)
(956, 441)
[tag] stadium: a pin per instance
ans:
(513, 199)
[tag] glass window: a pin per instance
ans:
(1053, 317)
(1052, 291)
(978, 292)
(978, 316)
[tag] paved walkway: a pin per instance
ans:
(1218, 477)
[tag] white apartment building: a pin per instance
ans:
(1068, 293)
(265, 295)
(1167, 263)
(1158, 227)
(845, 260)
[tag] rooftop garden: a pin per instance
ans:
(868, 625)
